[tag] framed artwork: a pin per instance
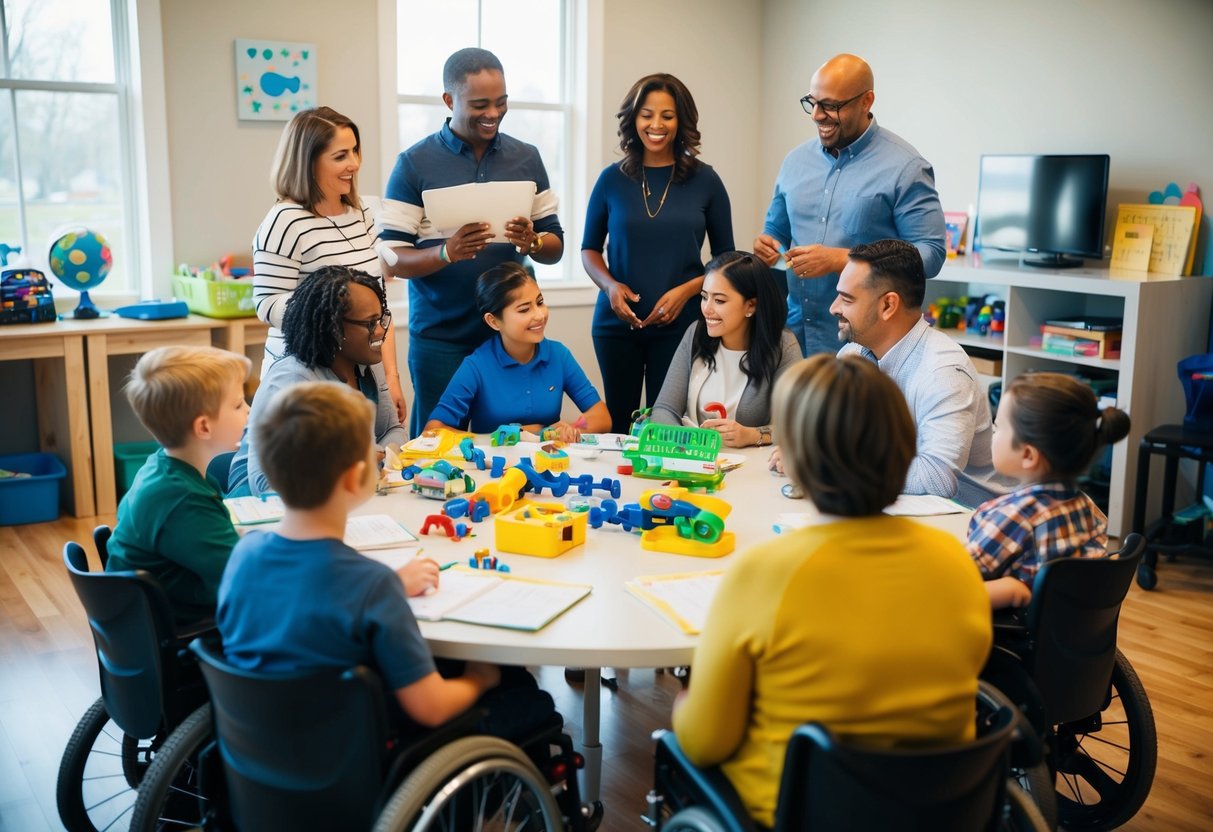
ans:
(274, 79)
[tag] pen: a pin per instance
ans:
(446, 566)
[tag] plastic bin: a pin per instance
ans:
(128, 459)
(32, 499)
(215, 298)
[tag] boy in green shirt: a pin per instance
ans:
(173, 522)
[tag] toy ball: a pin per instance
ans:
(81, 259)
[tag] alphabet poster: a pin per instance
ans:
(274, 79)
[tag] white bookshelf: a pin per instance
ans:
(1165, 319)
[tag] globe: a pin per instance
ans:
(81, 259)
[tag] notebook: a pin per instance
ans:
(682, 599)
(376, 531)
(252, 511)
(496, 599)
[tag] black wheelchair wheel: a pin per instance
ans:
(1022, 812)
(98, 774)
(694, 819)
(473, 783)
(1036, 784)
(171, 795)
(1105, 764)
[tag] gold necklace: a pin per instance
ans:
(644, 190)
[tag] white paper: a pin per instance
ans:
(448, 209)
(455, 587)
(605, 442)
(249, 511)
(376, 531)
(519, 604)
(688, 597)
(923, 505)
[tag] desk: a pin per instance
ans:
(57, 350)
(611, 627)
(121, 336)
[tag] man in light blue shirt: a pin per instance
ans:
(857, 183)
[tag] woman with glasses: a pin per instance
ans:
(334, 329)
(319, 220)
(644, 231)
(727, 362)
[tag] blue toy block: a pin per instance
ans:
(479, 511)
(498, 469)
(410, 472)
(457, 507)
(463, 530)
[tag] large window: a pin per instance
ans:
(65, 144)
(531, 37)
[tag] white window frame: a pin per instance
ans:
(143, 148)
(581, 51)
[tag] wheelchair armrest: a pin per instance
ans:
(709, 786)
(416, 747)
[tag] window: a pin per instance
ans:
(65, 146)
(531, 37)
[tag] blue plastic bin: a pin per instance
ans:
(32, 499)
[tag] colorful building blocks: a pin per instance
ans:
(672, 520)
(506, 435)
(551, 457)
(471, 453)
(439, 481)
(586, 485)
(537, 481)
(544, 530)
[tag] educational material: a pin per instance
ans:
(683, 599)
(1095, 324)
(1131, 246)
(494, 599)
(376, 531)
(1109, 340)
(274, 79)
(252, 511)
(923, 505)
(954, 223)
(1172, 245)
(1064, 345)
(605, 441)
(448, 209)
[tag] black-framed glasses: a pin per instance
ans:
(830, 107)
(384, 320)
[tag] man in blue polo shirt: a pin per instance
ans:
(857, 183)
(444, 326)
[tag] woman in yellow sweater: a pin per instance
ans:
(875, 626)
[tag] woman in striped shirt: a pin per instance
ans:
(319, 220)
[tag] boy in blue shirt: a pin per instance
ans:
(172, 522)
(298, 598)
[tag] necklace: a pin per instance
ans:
(342, 233)
(644, 190)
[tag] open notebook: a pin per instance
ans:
(682, 599)
(496, 599)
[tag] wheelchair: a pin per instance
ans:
(317, 750)
(149, 685)
(830, 785)
(1057, 660)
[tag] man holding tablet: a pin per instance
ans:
(469, 148)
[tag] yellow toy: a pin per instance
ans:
(500, 494)
(683, 523)
(544, 530)
(434, 444)
(551, 457)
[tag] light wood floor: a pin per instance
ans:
(48, 678)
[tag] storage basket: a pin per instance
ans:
(215, 298)
(128, 459)
(32, 499)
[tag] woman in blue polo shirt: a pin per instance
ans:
(519, 376)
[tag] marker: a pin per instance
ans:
(446, 566)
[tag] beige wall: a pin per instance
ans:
(219, 165)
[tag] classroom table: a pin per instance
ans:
(610, 627)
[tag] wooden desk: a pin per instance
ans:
(57, 350)
(121, 336)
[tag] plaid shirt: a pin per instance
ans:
(1017, 533)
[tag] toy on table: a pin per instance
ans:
(537, 481)
(495, 496)
(640, 418)
(481, 559)
(498, 467)
(544, 530)
(551, 457)
(439, 481)
(717, 408)
(434, 444)
(506, 435)
(673, 452)
(471, 453)
(81, 259)
(25, 293)
(673, 520)
(586, 485)
(443, 524)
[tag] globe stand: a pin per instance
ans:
(86, 309)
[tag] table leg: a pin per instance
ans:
(102, 423)
(591, 742)
(63, 426)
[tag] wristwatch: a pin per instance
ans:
(536, 244)
(764, 435)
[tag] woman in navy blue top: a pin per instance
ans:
(651, 210)
(519, 375)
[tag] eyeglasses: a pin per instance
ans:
(384, 321)
(831, 107)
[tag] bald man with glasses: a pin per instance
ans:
(855, 183)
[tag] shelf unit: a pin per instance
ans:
(1165, 319)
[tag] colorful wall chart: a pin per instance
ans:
(274, 79)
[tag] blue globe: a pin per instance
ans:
(81, 259)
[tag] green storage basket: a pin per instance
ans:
(128, 459)
(216, 298)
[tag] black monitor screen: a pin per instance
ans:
(1049, 204)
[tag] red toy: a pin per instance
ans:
(717, 408)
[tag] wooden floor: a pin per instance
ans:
(48, 678)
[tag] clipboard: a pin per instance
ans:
(448, 209)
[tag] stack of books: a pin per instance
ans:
(1091, 337)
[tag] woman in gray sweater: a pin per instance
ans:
(722, 374)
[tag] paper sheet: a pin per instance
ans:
(496, 203)
(683, 599)
(923, 505)
(251, 511)
(455, 587)
(376, 531)
(519, 604)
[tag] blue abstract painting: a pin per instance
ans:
(274, 79)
